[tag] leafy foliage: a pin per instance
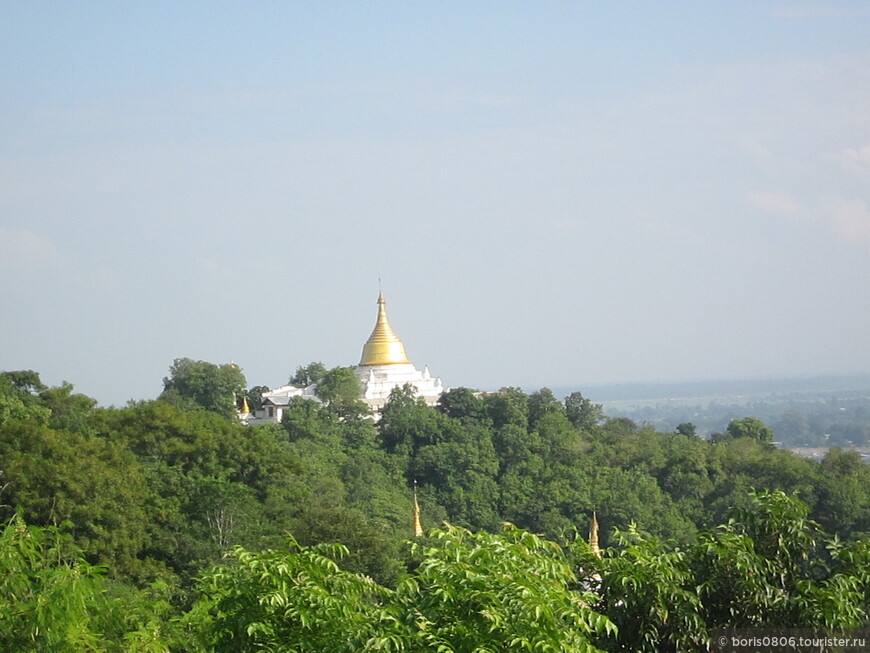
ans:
(470, 592)
(765, 568)
(307, 375)
(52, 601)
(581, 412)
(488, 592)
(648, 589)
(206, 385)
(339, 385)
(750, 427)
(297, 599)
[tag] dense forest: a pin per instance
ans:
(168, 525)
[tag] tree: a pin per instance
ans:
(751, 427)
(769, 566)
(52, 600)
(26, 381)
(507, 406)
(765, 568)
(206, 476)
(226, 512)
(296, 598)
(844, 493)
(307, 375)
(93, 484)
(18, 401)
(309, 419)
(339, 386)
(620, 426)
(462, 471)
(24, 396)
(460, 403)
(206, 385)
(543, 404)
(685, 476)
(407, 423)
(623, 497)
(647, 590)
(470, 592)
(45, 606)
(581, 412)
(370, 549)
(69, 410)
(686, 428)
(255, 396)
(511, 591)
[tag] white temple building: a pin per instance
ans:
(383, 366)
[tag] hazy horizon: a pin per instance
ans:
(551, 194)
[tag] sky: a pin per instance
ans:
(548, 193)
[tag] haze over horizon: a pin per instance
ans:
(552, 194)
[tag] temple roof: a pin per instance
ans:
(383, 347)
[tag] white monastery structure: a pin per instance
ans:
(383, 366)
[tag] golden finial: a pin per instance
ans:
(383, 347)
(418, 527)
(246, 410)
(593, 536)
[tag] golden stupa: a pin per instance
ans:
(383, 347)
(593, 536)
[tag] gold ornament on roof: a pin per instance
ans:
(383, 347)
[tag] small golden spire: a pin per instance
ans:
(593, 536)
(245, 410)
(383, 347)
(418, 527)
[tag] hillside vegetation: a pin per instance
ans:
(169, 525)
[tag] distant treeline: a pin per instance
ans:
(806, 387)
(838, 418)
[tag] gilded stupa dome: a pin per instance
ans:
(383, 347)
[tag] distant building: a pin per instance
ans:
(383, 366)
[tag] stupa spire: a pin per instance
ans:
(593, 536)
(383, 347)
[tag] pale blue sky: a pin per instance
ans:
(560, 193)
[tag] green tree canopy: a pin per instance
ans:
(206, 385)
(461, 403)
(339, 386)
(18, 398)
(507, 406)
(26, 381)
(308, 375)
(751, 427)
(581, 412)
(255, 396)
(53, 601)
(470, 592)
